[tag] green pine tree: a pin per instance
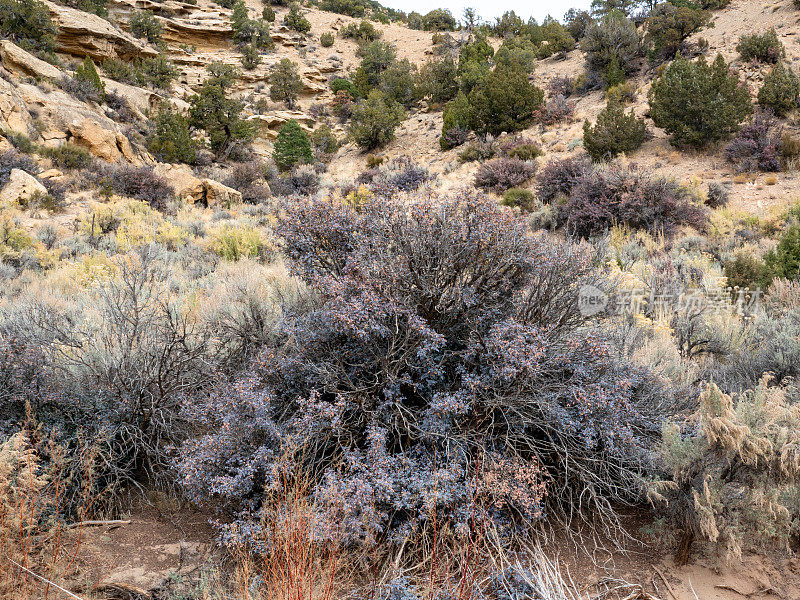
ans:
(292, 146)
(698, 103)
(88, 72)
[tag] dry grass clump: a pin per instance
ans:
(36, 552)
(733, 470)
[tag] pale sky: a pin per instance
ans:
(489, 9)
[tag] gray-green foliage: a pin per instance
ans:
(612, 46)
(698, 103)
(284, 82)
(374, 120)
(614, 132)
(781, 89)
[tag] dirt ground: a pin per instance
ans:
(159, 552)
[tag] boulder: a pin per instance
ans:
(84, 34)
(21, 186)
(102, 143)
(16, 60)
(204, 192)
(216, 194)
(181, 178)
(51, 174)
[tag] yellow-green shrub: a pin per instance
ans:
(233, 243)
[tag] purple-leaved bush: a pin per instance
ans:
(443, 367)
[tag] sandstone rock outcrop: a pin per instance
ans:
(102, 143)
(85, 34)
(270, 124)
(14, 114)
(21, 186)
(20, 62)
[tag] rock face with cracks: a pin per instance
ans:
(84, 34)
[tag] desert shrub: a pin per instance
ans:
(247, 31)
(784, 260)
(144, 24)
(399, 175)
(438, 80)
(86, 72)
(500, 174)
(324, 140)
(447, 307)
(20, 141)
(717, 195)
(557, 39)
(292, 146)
(399, 82)
(342, 84)
(374, 120)
(169, 138)
(623, 93)
(669, 25)
(781, 89)
(630, 197)
(10, 160)
(612, 47)
(326, 39)
(456, 121)
(615, 132)
(782, 297)
(251, 57)
(746, 271)
(140, 183)
(157, 72)
(248, 178)
(516, 53)
(439, 20)
(220, 116)
(83, 90)
(377, 57)
(268, 14)
(284, 82)
(342, 106)
(122, 112)
(519, 197)
(559, 177)
(128, 341)
(520, 147)
(235, 243)
(577, 22)
(479, 150)
(351, 8)
(746, 444)
(757, 146)
(363, 32)
(295, 20)
(555, 110)
(302, 181)
(561, 85)
(27, 23)
(505, 102)
(698, 103)
(68, 156)
(765, 47)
